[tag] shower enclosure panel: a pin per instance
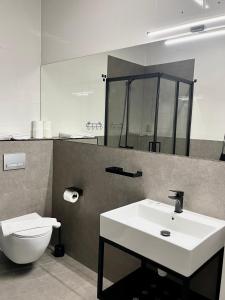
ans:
(149, 112)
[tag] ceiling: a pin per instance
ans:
(173, 12)
(73, 28)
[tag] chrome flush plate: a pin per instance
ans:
(14, 161)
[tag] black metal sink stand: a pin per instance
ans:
(186, 292)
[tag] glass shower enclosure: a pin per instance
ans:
(149, 112)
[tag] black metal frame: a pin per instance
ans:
(185, 280)
(120, 171)
(152, 146)
(175, 116)
(128, 113)
(190, 117)
(159, 76)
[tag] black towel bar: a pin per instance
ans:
(120, 171)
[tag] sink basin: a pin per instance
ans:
(193, 239)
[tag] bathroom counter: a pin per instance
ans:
(46, 139)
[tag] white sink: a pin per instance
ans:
(194, 238)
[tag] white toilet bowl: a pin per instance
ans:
(26, 246)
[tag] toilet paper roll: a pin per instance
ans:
(47, 129)
(71, 196)
(37, 129)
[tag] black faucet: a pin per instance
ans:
(179, 197)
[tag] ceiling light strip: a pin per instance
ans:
(194, 37)
(186, 26)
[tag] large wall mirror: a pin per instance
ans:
(157, 97)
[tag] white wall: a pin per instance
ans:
(20, 53)
(208, 121)
(73, 93)
(209, 99)
(73, 28)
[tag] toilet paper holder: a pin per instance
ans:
(75, 189)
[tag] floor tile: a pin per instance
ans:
(50, 278)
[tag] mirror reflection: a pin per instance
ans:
(157, 97)
(149, 112)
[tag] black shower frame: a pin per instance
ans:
(159, 76)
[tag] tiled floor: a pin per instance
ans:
(49, 278)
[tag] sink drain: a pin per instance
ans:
(165, 233)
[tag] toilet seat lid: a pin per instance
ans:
(32, 233)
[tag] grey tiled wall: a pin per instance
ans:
(83, 165)
(29, 190)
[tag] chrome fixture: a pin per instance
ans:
(198, 28)
(94, 126)
(14, 161)
(179, 198)
(201, 29)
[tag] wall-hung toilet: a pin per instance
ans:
(26, 246)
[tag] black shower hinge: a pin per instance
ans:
(104, 77)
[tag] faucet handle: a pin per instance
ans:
(179, 198)
(178, 194)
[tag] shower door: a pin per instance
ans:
(166, 111)
(173, 115)
(142, 112)
(130, 113)
(184, 107)
(116, 112)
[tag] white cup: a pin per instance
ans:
(47, 129)
(37, 129)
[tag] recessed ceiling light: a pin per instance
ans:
(199, 2)
(202, 3)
